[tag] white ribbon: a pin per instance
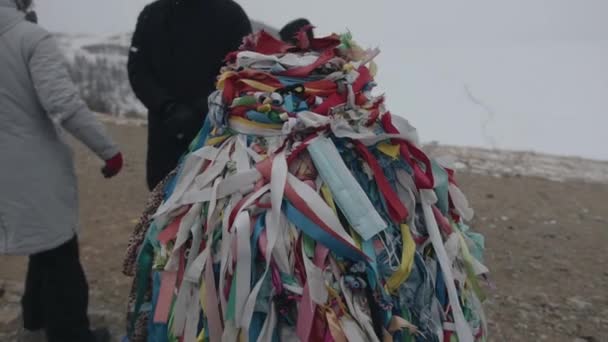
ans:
(352, 330)
(461, 203)
(242, 226)
(463, 330)
(364, 320)
(189, 171)
(315, 281)
(191, 218)
(278, 180)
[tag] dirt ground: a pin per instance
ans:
(547, 248)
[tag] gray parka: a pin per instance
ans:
(38, 194)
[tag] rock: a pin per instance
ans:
(541, 298)
(579, 304)
(526, 306)
(521, 326)
(523, 314)
(13, 287)
(586, 339)
(12, 298)
(8, 317)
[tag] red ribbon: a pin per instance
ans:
(337, 99)
(423, 179)
(396, 209)
(304, 71)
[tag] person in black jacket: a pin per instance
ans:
(177, 50)
(288, 32)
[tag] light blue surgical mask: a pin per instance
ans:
(348, 194)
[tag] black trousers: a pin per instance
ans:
(56, 295)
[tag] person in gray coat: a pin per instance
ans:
(38, 200)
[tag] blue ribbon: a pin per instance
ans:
(258, 117)
(157, 332)
(320, 235)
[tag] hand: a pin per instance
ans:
(113, 166)
(182, 122)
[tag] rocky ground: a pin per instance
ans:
(546, 247)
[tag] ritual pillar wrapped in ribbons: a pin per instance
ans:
(305, 211)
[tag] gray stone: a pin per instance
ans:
(8, 317)
(579, 304)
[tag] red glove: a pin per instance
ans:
(113, 166)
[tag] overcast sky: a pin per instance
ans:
(541, 65)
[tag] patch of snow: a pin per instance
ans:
(501, 163)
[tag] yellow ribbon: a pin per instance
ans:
(373, 68)
(334, 326)
(468, 259)
(259, 85)
(333, 294)
(203, 304)
(328, 197)
(201, 336)
(397, 324)
(407, 261)
(389, 149)
(314, 91)
(265, 108)
(243, 121)
(348, 67)
(221, 81)
(326, 193)
(217, 140)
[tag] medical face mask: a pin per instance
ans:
(348, 194)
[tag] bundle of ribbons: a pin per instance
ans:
(305, 211)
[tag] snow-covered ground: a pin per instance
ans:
(502, 163)
(98, 66)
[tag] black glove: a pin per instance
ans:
(181, 121)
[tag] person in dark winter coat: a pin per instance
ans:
(177, 50)
(288, 32)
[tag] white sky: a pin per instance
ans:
(542, 65)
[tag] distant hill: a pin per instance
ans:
(98, 66)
